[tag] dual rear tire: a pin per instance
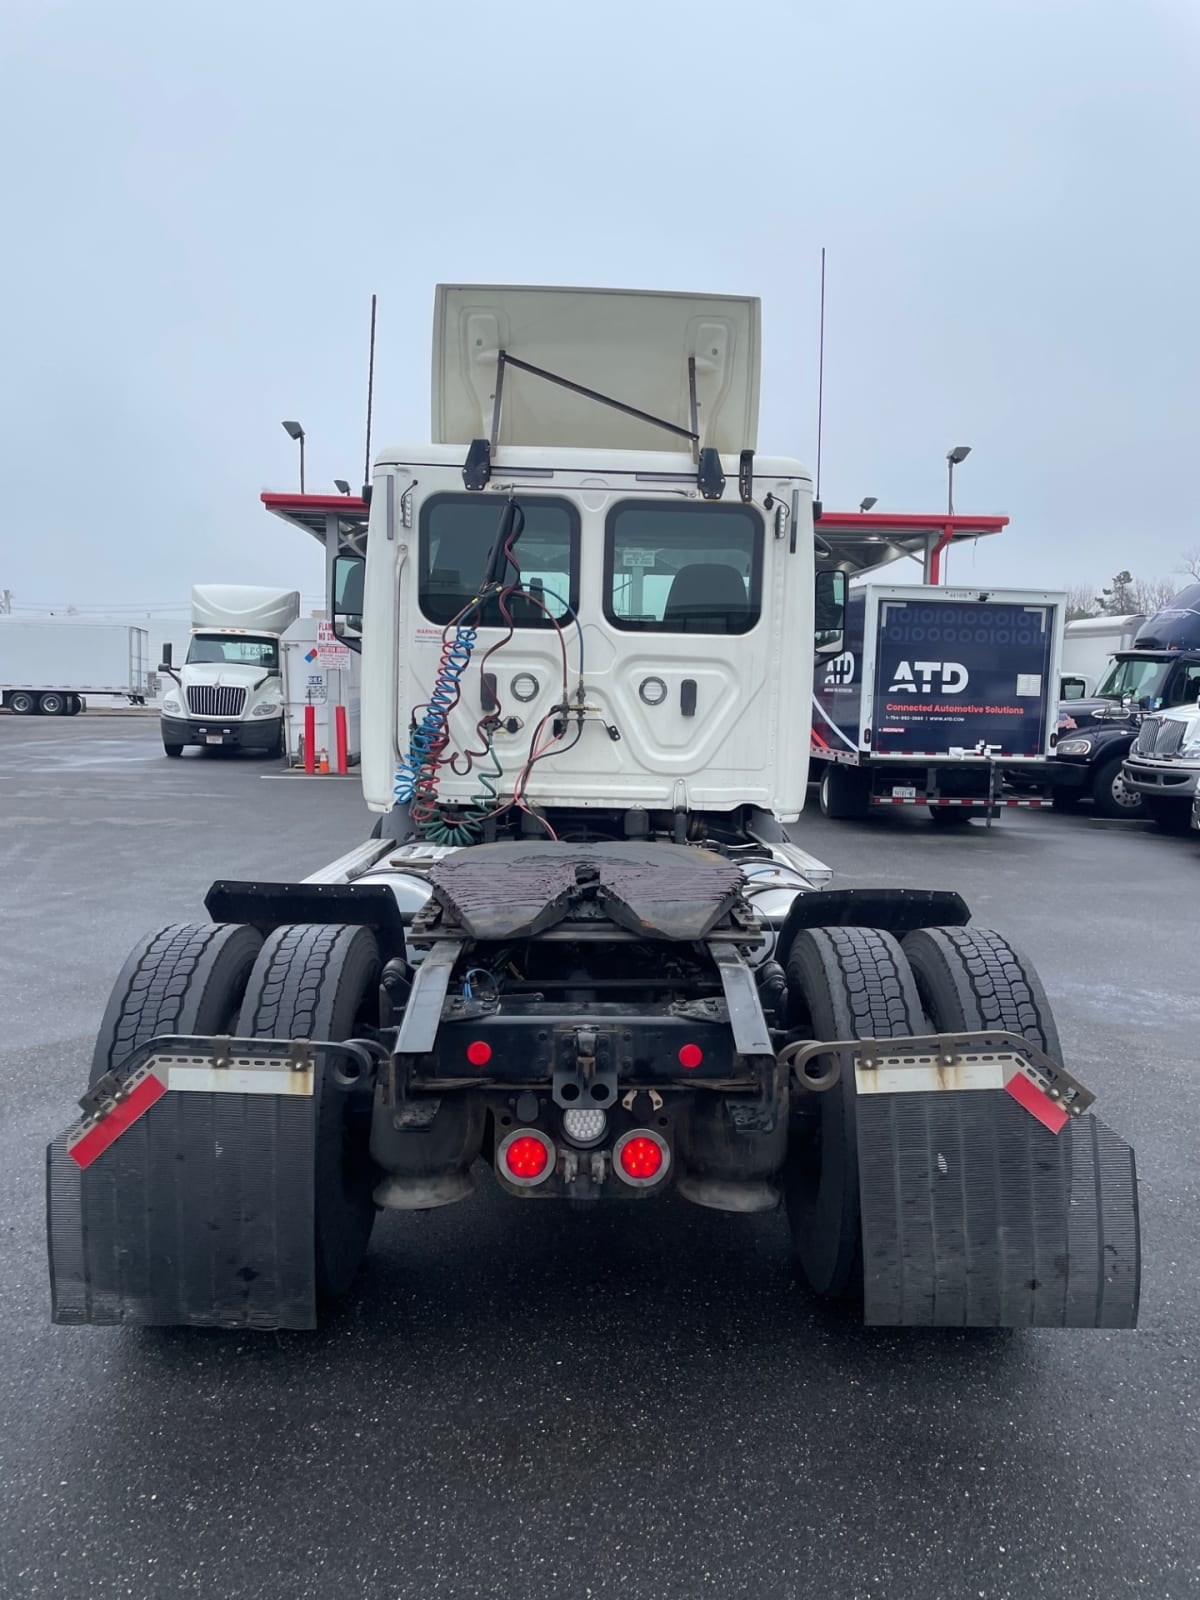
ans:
(25, 703)
(858, 983)
(321, 982)
(303, 982)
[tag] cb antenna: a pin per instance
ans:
(820, 376)
(370, 399)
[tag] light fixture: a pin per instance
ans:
(295, 431)
(641, 1158)
(865, 505)
(585, 1127)
(954, 458)
(341, 486)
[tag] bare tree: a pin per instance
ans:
(1190, 564)
(1081, 601)
(1151, 594)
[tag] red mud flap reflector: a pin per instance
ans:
(93, 1137)
(1037, 1102)
(187, 1205)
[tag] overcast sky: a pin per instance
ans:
(201, 198)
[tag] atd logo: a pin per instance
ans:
(918, 677)
(841, 669)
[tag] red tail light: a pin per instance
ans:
(641, 1158)
(479, 1052)
(690, 1055)
(526, 1157)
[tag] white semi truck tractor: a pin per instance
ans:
(583, 948)
(228, 693)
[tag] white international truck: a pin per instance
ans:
(1163, 763)
(583, 947)
(228, 693)
(51, 666)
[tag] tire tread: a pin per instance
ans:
(994, 986)
(176, 980)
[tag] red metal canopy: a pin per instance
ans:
(859, 541)
(316, 512)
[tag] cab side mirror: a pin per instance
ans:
(829, 613)
(349, 574)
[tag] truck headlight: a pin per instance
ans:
(1074, 747)
(269, 708)
(172, 705)
(1190, 750)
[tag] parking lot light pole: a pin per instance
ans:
(295, 431)
(954, 458)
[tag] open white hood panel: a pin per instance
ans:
(626, 344)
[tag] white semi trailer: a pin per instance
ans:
(50, 666)
(581, 947)
(228, 693)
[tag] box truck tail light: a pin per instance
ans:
(690, 1055)
(641, 1157)
(526, 1157)
(479, 1052)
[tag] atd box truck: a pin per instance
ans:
(934, 693)
(584, 949)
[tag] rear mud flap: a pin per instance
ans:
(200, 1213)
(975, 1215)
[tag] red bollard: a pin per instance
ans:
(339, 733)
(310, 739)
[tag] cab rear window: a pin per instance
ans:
(456, 533)
(683, 568)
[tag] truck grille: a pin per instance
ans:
(1160, 736)
(206, 700)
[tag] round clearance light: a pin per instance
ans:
(479, 1052)
(526, 1157)
(525, 687)
(652, 691)
(585, 1127)
(690, 1056)
(641, 1158)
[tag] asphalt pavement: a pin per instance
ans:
(521, 1401)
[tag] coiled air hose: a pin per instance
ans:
(416, 776)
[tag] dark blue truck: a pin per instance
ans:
(936, 695)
